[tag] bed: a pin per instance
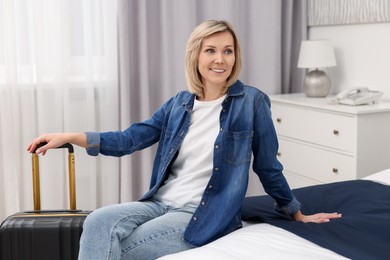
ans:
(362, 233)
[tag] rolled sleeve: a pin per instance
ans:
(93, 141)
(290, 209)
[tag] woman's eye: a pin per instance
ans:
(228, 51)
(210, 51)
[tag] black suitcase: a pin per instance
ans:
(40, 234)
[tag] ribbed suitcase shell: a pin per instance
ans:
(40, 236)
(44, 234)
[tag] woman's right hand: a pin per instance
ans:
(55, 140)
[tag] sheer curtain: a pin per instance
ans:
(58, 72)
(152, 40)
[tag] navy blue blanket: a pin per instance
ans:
(362, 233)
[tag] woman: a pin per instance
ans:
(206, 137)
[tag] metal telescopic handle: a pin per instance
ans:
(72, 177)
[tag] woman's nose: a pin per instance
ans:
(218, 58)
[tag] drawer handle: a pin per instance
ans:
(336, 132)
(279, 120)
(335, 170)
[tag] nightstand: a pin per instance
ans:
(322, 142)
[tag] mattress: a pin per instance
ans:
(262, 240)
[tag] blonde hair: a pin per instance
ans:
(203, 30)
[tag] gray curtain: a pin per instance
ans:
(152, 41)
(294, 30)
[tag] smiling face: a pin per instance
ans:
(216, 59)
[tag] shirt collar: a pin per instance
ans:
(237, 89)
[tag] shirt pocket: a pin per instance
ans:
(238, 147)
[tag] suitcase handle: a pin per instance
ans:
(67, 146)
(36, 181)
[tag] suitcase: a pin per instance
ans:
(44, 234)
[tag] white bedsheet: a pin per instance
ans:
(264, 241)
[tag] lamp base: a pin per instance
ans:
(316, 84)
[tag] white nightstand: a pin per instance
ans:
(321, 142)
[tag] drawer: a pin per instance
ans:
(315, 126)
(320, 165)
(299, 181)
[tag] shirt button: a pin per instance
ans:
(195, 218)
(203, 203)
(210, 186)
(217, 146)
(221, 130)
(216, 168)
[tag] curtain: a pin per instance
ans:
(294, 30)
(58, 73)
(152, 41)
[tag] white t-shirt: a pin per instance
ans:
(192, 169)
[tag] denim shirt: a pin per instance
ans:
(246, 128)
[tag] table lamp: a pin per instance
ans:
(315, 54)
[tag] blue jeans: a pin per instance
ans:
(134, 230)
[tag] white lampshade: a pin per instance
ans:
(316, 54)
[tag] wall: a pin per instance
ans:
(360, 33)
(362, 52)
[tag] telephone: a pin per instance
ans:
(358, 96)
